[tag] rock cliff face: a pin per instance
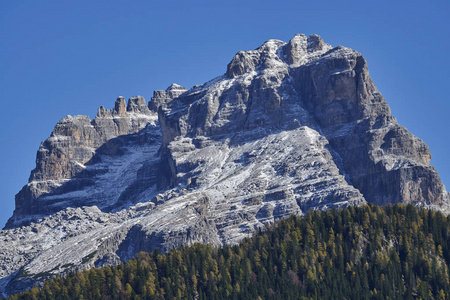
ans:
(289, 127)
(89, 162)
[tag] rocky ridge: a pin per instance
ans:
(85, 162)
(289, 127)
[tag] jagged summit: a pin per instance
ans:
(177, 87)
(120, 107)
(163, 97)
(136, 104)
(300, 50)
(288, 128)
(71, 163)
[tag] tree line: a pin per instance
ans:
(367, 252)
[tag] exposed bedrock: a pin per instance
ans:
(288, 128)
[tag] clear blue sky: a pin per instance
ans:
(70, 57)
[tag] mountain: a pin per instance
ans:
(288, 128)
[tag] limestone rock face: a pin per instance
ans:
(138, 104)
(288, 128)
(120, 107)
(356, 120)
(73, 164)
(281, 86)
(163, 97)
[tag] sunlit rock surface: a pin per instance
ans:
(289, 127)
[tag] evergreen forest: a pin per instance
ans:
(367, 252)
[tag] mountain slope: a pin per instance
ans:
(366, 252)
(289, 127)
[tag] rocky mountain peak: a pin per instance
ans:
(300, 50)
(102, 112)
(120, 107)
(290, 127)
(137, 104)
(307, 82)
(176, 87)
(162, 97)
(76, 143)
(248, 61)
